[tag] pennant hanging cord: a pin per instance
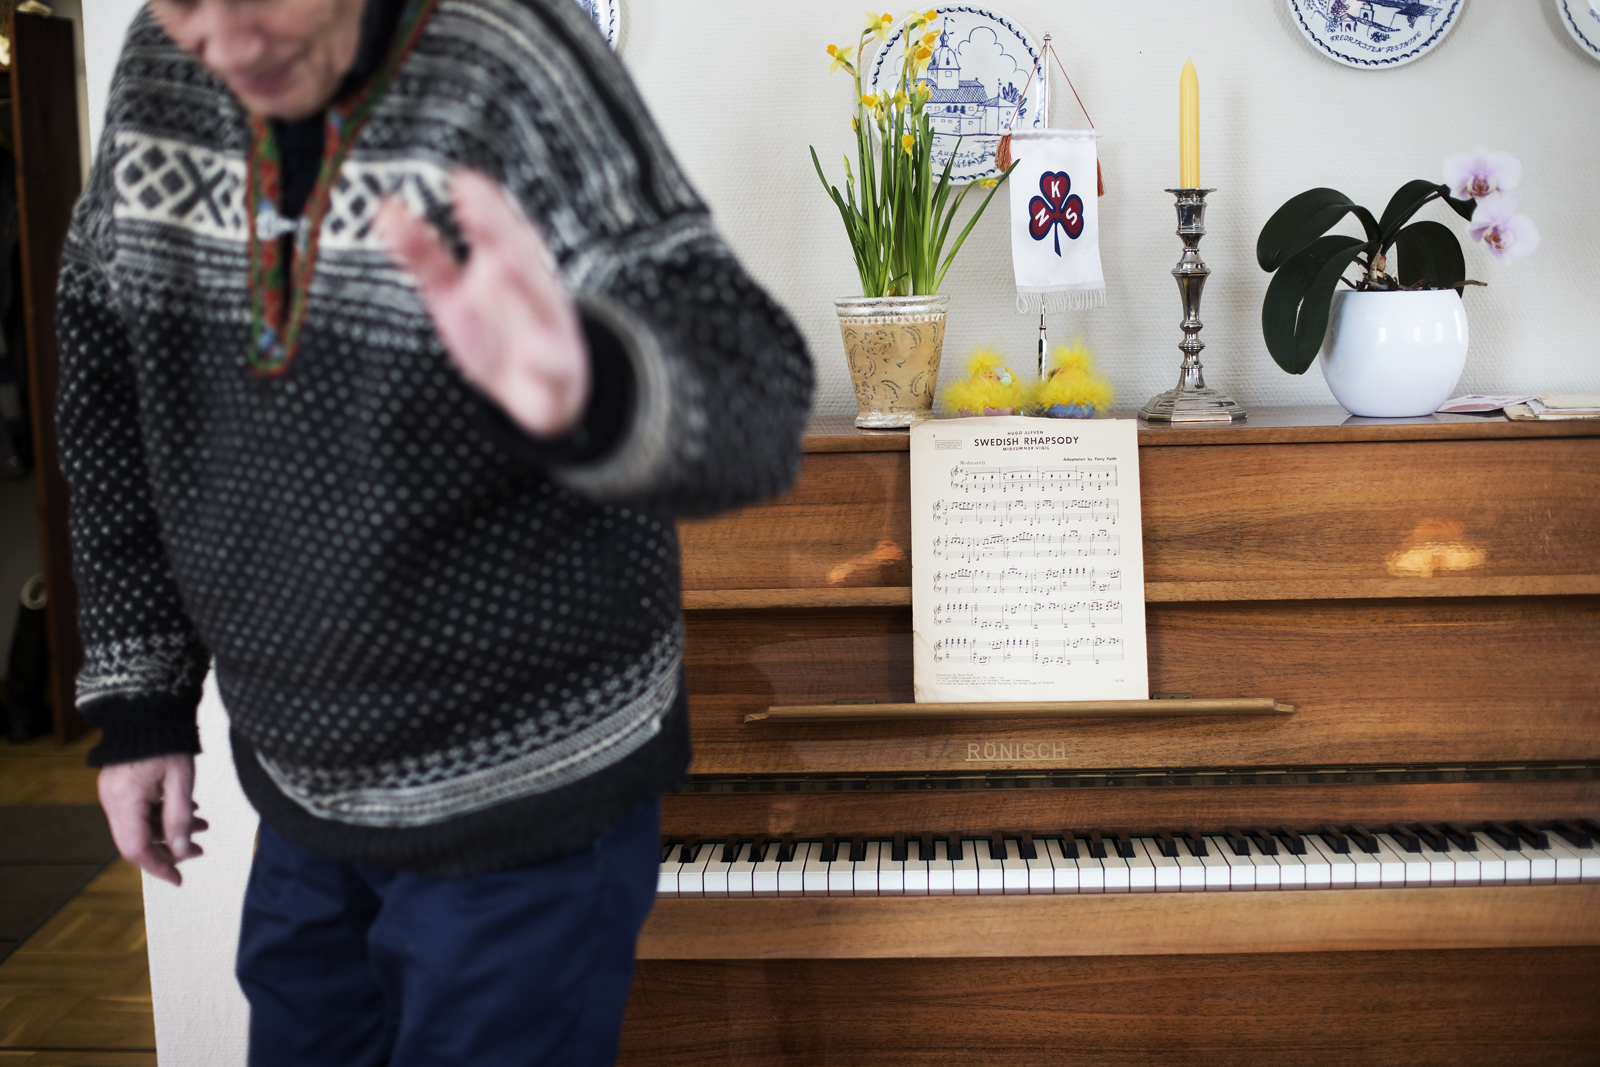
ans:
(1002, 152)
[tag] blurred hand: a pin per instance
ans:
(504, 316)
(150, 806)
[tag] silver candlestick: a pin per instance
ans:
(1192, 401)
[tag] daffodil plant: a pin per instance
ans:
(900, 214)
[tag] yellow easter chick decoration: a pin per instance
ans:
(990, 388)
(1072, 388)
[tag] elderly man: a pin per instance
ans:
(393, 341)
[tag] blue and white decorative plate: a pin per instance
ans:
(1582, 20)
(607, 17)
(979, 68)
(1374, 34)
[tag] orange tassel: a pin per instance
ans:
(1099, 178)
(1002, 153)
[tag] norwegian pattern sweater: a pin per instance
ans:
(444, 646)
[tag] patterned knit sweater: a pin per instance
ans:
(444, 646)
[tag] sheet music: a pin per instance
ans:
(1027, 560)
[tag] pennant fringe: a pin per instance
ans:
(1051, 303)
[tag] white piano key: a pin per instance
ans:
(764, 874)
(814, 873)
(1491, 861)
(916, 870)
(1141, 871)
(1166, 868)
(740, 872)
(1341, 865)
(1241, 872)
(691, 875)
(965, 869)
(1416, 871)
(1066, 869)
(1441, 865)
(1391, 864)
(1291, 871)
(1542, 865)
(1191, 870)
(1588, 858)
(667, 873)
(791, 880)
(1041, 869)
(1568, 866)
(1515, 868)
(1014, 869)
(842, 871)
(892, 872)
(865, 871)
(1118, 876)
(1319, 869)
(1466, 866)
(1219, 872)
(1091, 870)
(714, 878)
(1269, 875)
(941, 870)
(991, 876)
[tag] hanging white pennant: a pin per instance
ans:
(1055, 221)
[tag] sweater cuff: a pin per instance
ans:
(605, 418)
(140, 726)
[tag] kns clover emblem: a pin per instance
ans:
(1055, 208)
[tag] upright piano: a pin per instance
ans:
(1403, 870)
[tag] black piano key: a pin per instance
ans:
(690, 850)
(1405, 838)
(1590, 825)
(830, 848)
(1097, 846)
(730, 849)
(1531, 834)
(1335, 838)
(1237, 841)
(667, 845)
(1069, 845)
(1196, 842)
(1461, 836)
(758, 848)
(786, 849)
(1503, 836)
(953, 844)
(858, 848)
(1264, 840)
(1291, 840)
(1574, 833)
(1124, 844)
(925, 851)
(1025, 847)
(1433, 837)
(1364, 839)
(897, 848)
(997, 846)
(1169, 847)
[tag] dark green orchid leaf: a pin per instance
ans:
(1430, 252)
(1406, 202)
(1294, 315)
(1464, 208)
(1298, 218)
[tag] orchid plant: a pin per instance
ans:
(1308, 263)
(900, 215)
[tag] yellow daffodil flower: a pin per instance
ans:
(930, 37)
(878, 25)
(841, 58)
(924, 93)
(900, 99)
(906, 141)
(923, 54)
(870, 101)
(988, 183)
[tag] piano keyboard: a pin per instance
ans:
(1235, 859)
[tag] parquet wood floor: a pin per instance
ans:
(77, 993)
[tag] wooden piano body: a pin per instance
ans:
(1427, 594)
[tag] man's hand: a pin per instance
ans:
(150, 806)
(504, 316)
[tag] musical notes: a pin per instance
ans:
(1027, 561)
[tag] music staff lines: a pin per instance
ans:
(1003, 615)
(1079, 476)
(1026, 546)
(1027, 512)
(978, 651)
(1016, 580)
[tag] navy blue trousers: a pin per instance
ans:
(347, 965)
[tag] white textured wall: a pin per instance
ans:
(741, 88)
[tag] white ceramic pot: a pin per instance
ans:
(1393, 355)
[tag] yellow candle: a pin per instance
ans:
(1189, 128)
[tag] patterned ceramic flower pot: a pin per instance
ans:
(1391, 355)
(893, 345)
